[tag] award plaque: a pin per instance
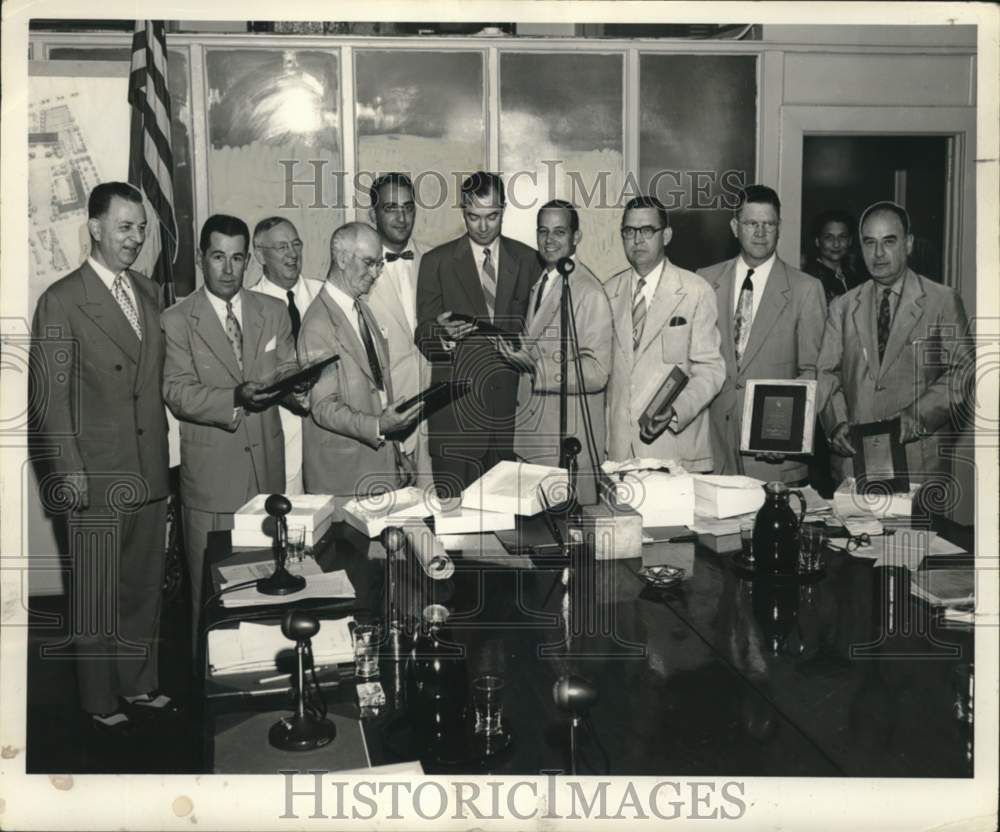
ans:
(879, 457)
(779, 416)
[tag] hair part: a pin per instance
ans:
(482, 184)
(648, 201)
(561, 205)
(99, 202)
(886, 207)
(760, 194)
(227, 226)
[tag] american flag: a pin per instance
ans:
(151, 161)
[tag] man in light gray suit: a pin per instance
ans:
(895, 346)
(771, 320)
(393, 301)
(350, 443)
(664, 317)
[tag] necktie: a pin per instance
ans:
(366, 338)
(638, 313)
(541, 291)
(390, 256)
(489, 283)
(234, 332)
(293, 314)
(127, 307)
(884, 321)
(744, 316)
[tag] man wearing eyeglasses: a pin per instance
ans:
(664, 317)
(278, 249)
(393, 300)
(478, 276)
(771, 320)
(350, 439)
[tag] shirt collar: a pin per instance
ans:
(339, 296)
(219, 305)
(103, 272)
(278, 290)
(761, 271)
(477, 251)
(896, 288)
(653, 278)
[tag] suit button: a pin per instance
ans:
(727, 418)
(139, 431)
(739, 386)
(118, 367)
(246, 448)
(879, 387)
(135, 397)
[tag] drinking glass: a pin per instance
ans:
(296, 547)
(746, 540)
(366, 639)
(486, 704)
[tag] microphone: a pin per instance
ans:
(299, 625)
(565, 266)
(281, 582)
(574, 694)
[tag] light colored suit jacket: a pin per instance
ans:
(225, 460)
(101, 404)
(680, 331)
(784, 343)
(536, 426)
(291, 422)
(410, 371)
(928, 365)
(343, 453)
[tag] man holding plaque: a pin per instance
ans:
(665, 339)
(771, 320)
(894, 348)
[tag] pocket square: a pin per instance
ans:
(270, 345)
(677, 321)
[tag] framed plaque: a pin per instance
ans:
(879, 457)
(779, 416)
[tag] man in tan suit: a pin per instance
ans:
(224, 346)
(278, 249)
(536, 420)
(664, 317)
(351, 442)
(393, 301)
(895, 347)
(771, 320)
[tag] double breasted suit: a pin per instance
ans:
(928, 366)
(343, 453)
(480, 426)
(536, 436)
(680, 331)
(784, 344)
(100, 414)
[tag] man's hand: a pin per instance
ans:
(76, 483)
(520, 359)
(656, 426)
(391, 421)
(454, 330)
(909, 426)
(249, 396)
(773, 458)
(839, 442)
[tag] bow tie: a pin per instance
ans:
(403, 255)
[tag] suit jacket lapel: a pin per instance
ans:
(467, 273)
(149, 317)
(620, 309)
(104, 311)
(343, 333)
(548, 311)
(723, 284)
(210, 330)
(506, 278)
(908, 315)
(253, 331)
(776, 295)
(668, 296)
(863, 319)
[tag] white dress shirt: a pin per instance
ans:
(652, 282)
(478, 254)
(303, 290)
(219, 305)
(108, 279)
(400, 274)
(758, 278)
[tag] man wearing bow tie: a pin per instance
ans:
(393, 301)
(278, 249)
(664, 317)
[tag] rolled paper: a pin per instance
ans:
(429, 551)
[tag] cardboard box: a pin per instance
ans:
(727, 496)
(372, 514)
(253, 527)
(513, 488)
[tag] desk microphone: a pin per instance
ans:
(574, 695)
(281, 582)
(301, 731)
(565, 266)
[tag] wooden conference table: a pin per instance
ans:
(719, 675)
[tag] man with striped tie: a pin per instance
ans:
(664, 317)
(483, 276)
(771, 320)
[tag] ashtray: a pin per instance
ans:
(748, 569)
(662, 576)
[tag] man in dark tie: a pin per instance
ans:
(896, 346)
(98, 346)
(771, 320)
(351, 438)
(278, 249)
(478, 276)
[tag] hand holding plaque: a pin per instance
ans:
(659, 410)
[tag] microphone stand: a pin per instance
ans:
(281, 582)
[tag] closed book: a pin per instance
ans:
(263, 537)
(664, 397)
(253, 526)
(663, 499)
(721, 496)
(466, 520)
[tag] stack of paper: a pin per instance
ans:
(515, 488)
(252, 648)
(815, 504)
(466, 520)
(905, 547)
(847, 502)
(372, 514)
(319, 584)
(726, 496)
(945, 587)
(662, 497)
(253, 527)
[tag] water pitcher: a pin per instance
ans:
(776, 530)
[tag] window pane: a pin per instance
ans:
(561, 138)
(698, 146)
(266, 107)
(421, 113)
